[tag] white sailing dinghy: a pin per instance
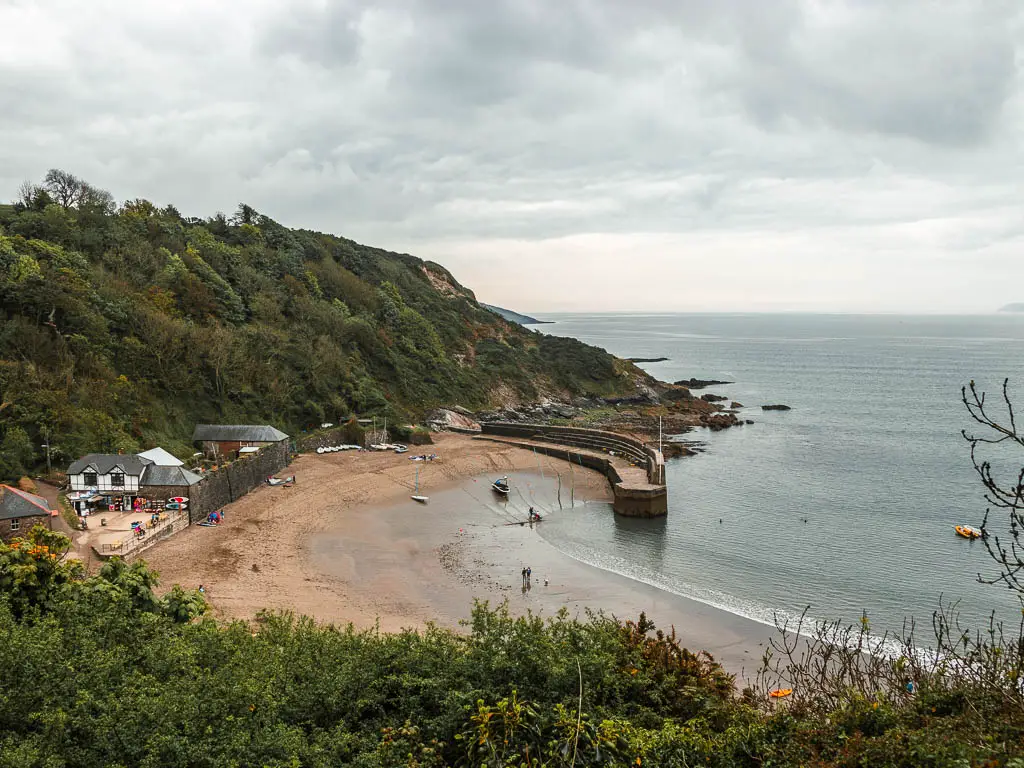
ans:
(416, 491)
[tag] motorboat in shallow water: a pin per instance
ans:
(967, 532)
(501, 486)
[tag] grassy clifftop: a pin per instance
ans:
(123, 325)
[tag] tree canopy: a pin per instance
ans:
(125, 325)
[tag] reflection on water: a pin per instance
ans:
(648, 534)
(846, 503)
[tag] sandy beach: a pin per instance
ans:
(346, 544)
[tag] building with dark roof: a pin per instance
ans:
(113, 473)
(227, 439)
(118, 479)
(19, 511)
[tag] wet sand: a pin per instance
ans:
(346, 544)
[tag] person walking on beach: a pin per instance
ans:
(529, 574)
(524, 577)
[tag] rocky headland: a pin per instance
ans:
(658, 408)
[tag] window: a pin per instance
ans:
(15, 525)
(89, 478)
(117, 479)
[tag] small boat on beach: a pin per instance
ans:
(967, 532)
(501, 486)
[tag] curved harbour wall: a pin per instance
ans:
(635, 471)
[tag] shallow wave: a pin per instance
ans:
(737, 606)
(885, 646)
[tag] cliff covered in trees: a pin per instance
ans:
(124, 325)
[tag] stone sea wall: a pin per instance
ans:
(630, 498)
(234, 480)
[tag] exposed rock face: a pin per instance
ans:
(734, 404)
(699, 383)
(645, 396)
(539, 412)
(443, 419)
(676, 394)
(775, 408)
(713, 398)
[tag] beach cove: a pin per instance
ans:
(347, 545)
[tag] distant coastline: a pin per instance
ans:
(1015, 307)
(515, 317)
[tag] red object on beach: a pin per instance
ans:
(179, 499)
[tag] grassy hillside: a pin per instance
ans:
(124, 325)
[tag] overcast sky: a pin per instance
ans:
(686, 155)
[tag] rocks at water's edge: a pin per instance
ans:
(775, 408)
(717, 421)
(699, 383)
(734, 404)
(713, 398)
(676, 394)
(647, 359)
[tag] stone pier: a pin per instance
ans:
(635, 471)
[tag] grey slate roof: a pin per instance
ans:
(104, 462)
(161, 457)
(242, 433)
(157, 475)
(15, 503)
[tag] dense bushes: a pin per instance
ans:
(122, 328)
(99, 671)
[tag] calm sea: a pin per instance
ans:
(871, 456)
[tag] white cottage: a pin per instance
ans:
(116, 478)
(107, 473)
(114, 481)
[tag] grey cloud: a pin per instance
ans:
(935, 72)
(406, 122)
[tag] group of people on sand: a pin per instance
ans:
(528, 577)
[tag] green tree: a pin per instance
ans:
(16, 453)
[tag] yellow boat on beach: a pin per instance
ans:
(967, 532)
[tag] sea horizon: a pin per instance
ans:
(876, 418)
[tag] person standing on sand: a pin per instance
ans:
(524, 577)
(529, 574)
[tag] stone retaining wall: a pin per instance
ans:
(650, 458)
(234, 480)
